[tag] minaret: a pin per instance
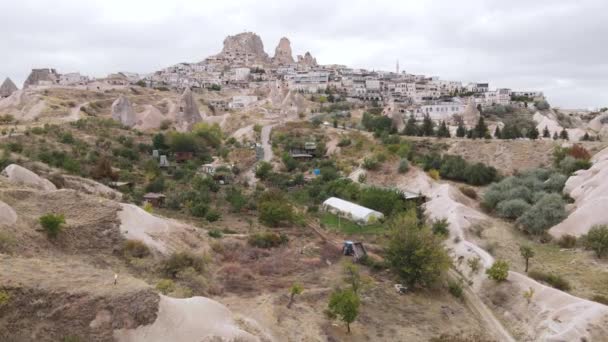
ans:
(397, 67)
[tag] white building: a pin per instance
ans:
(242, 101)
(351, 211)
(309, 82)
(498, 96)
(240, 74)
(440, 111)
(73, 78)
(372, 85)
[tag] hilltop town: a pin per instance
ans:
(250, 197)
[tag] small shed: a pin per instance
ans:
(351, 211)
(181, 157)
(354, 249)
(155, 199)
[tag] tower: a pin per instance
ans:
(397, 67)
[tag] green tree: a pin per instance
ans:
(555, 136)
(344, 304)
(546, 133)
(481, 129)
(526, 252)
(352, 276)
(544, 214)
(564, 135)
(415, 253)
(597, 240)
(533, 133)
(294, 290)
(428, 127)
(411, 127)
(499, 271)
(461, 131)
(182, 142)
(443, 131)
(158, 141)
(497, 133)
(52, 224)
(263, 170)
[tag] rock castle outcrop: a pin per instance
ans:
(41, 77)
(245, 48)
(282, 54)
(307, 60)
(122, 111)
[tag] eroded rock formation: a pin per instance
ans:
(122, 111)
(7, 88)
(188, 114)
(282, 54)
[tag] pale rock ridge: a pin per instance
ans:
(8, 216)
(283, 54)
(188, 115)
(19, 175)
(122, 111)
(7, 88)
(471, 114)
(589, 189)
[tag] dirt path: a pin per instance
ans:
(268, 155)
(485, 314)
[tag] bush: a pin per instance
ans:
(440, 227)
(274, 209)
(165, 286)
(404, 166)
(499, 271)
(597, 240)
(4, 297)
(52, 224)
(455, 289)
(512, 209)
(135, 249)
(600, 299)
(213, 215)
(469, 192)
(263, 170)
(199, 210)
(267, 240)
(434, 174)
(567, 241)
(547, 212)
(551, 279)
(179, 261)
(215, 233)
(370, 163)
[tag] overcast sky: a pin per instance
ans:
(558, 46)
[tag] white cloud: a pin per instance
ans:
(556, 46)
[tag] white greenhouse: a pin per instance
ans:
(351, 211)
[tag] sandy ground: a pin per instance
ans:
(575, 134)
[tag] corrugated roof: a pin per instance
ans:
(356, 211)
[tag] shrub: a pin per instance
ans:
(499, 271)
(215, 233)
(179, 261)
(440, 227)
(547, 212)
(474, 264)
(434, 174)
(4, 297)
(267, 240)
(512, 209)
(597, 240)
(569, 165)
(370, 163)
(274, 209)
(455, 289)
(165, 286)
(213, 215)
(263, 170)
(551, 279)
(469, 192)
(567, 241)
(52, 224)
(404, 166)
(199, 209)
(135, 249)
(600, 299)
